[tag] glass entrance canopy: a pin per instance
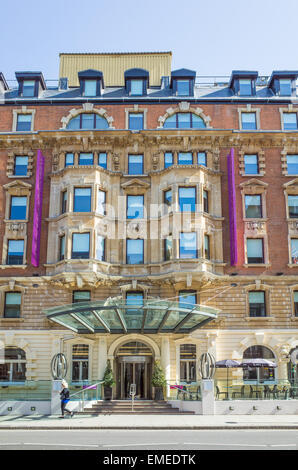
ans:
(116, 316)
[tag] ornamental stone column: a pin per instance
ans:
(166, 360)
(102, 356)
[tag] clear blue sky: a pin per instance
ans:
(212, 37)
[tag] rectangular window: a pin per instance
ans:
(206, 201)
(135, 121)
(183, 87)
(134, 299)
(168, 159)
(90, 87)
(253, 206)
(100, 248)
(294, 250)
(101, 202)
(251, 164)
(15, 254)
(202, 158)
(135, 165)
(293, 206)
(187, 299)
(81, 296)
(134, 251)
(69, 159)
(255, 251)
(206, 246)
(82, 200)
(102, 160)
(167, 198)
(188, 245)
(292, 164)
(12, 307)
(63, 202)
(29, 88)
(20, 166)
(62, 248)
(168, 248)
(185, 158)
(296, 303)
(80, 361)
(188, 363)
(257, 307)
(285, 87)
(80, 245)
(18, 208)
(245, 87)
(187, 199)
(136, 87)
(290, 121)
(248, 121)
(86, 159)
(135, 207)
(24, 122)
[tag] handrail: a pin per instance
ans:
(180, 389)
(87, 388)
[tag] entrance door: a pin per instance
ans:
(134, 373)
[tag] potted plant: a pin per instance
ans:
(158, 381)
(108, 381)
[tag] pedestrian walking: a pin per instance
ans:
(64, 396)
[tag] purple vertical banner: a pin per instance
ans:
(37, 209)
(232, 208)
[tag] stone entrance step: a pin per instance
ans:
(140, 407)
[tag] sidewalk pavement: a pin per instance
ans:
(108, 421)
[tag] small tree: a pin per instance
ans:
(108, 378)
(158, 376)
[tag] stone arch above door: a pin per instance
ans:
(134, 337)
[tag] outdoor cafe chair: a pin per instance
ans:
(218, 393)
(241, 392)
(252, 391)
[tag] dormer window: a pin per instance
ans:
(136, 87)
(90, 87)
(245, 87)
(285, 87)
(243, 83)
(182, 82)
(136, 82)
(30, 84)
(283, 83)
(183, 88)
(29, 88)
(91, 83)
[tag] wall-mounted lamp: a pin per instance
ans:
(231, 408)
(255, 408)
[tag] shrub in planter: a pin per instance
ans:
(108, 381)
(158, 381)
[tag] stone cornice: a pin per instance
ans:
(212, 138)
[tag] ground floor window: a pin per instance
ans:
(14, 367)
(188, 356)
(80, 362)
(260, 374)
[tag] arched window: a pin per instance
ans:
(188, 357)
(14, 367)
(260, 374)
(88, 121)
(184, 121)
(80, 362)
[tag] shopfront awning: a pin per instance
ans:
(116, 317)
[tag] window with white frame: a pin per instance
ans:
(188, 358)
(14, 367)
(80, 362)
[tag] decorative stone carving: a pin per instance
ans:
(116, 161)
